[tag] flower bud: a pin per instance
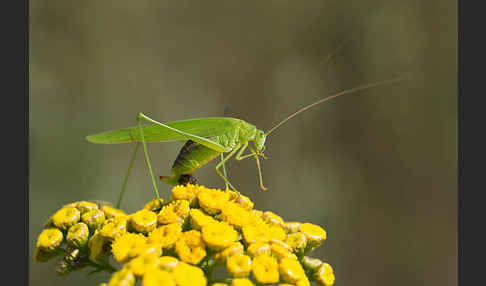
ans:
(49, 239)
(93, 219)
(78, 235)
(66, 217)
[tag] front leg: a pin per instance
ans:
(222, 163)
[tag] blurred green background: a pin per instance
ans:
(376, 169)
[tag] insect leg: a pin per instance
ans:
(221, 164)
(147, 158)
(259, 169)
(127, 175)
(224, 170)
(243, 148)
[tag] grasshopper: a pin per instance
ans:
(206, 139)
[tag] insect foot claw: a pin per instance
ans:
(263, 188)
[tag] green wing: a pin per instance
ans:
(204, 127)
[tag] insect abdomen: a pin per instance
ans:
(192, 156)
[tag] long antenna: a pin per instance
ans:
(348, 91)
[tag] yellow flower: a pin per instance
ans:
(237, 216)
(168, 263)
(156, 277)
(84, 206)
(144, 263)
(166, 235)
(234, 249)
(255, 233)
(212, 200)
(240, 199)
(265, 269)
(187, 192)
(111, 212)
(154, 205)
(49, 239)
(176, 211)
(77, 235)
(93, 219)
(198, 219)
(124, 277)
(325, 275)
(98, 246)
(259, 248)
(190, 247)
(314, 233)
(219, 284)
(290, 270)
(281, 251)
(128, 246)
(219, 235)
(303, 282)
(310, 263)
(143, 221)
(272, 218)
(276, 232)
(66, 217)
(239, 265)
(297, 241)
(241, 282)
(292, 227)
(187, 275)
(115, 228)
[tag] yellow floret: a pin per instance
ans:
(239, 265)
(166, 235)
(259, 248)
(98, 246)
(190, 247)
(219, 235)
(77, 235)
(128, 246)
(154, 205)
(111, 212)
(290, 270)
(241, 282)
(187, 275)
(157, 277)
(237, 216)
(297, 241)
(84, 206)
(265, 269)
(66, 217)
(49, 239)
(281, 251)
(272, 218)
(325, 275)
(234, 249)
(114, 228)
(198, 219)
(187, 192)
(168, 263)
(176, 211)
(144, 263)
(93, 219)
(212, 200)
(124, 277)
(314, 233)
(143, 221)
(292, 227)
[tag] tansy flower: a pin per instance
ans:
(291, 227)
(124, 277)
(290, 270)
(265, 269)
(93, 219)
(314, 233)
(311, 264)
(259, 248)
(255, 233)
(297, 241)
(237, 216)
(114, 228)
(198, 219)
(239, 265)
(187, 275)
(166, 236)
(84, 206)
(49, 239)
(128, 246)
(156, 277)
(154, 205)
(98, 246)
(111, 212)
(276, 232)
(176, 211)
(241, 282)
(66, 217)
(187, 192)
(234, 249)
(143, 221)
(168, 263)
(240, 199)
(77, 235)
(212, 200)
(219, 235)
(144, 263)
(272, 218)
(190, 247)
(303, 282)
(279, 251)
(325, 275)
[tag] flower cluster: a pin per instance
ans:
(183, 240)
